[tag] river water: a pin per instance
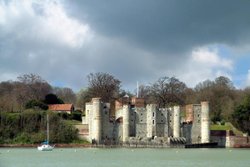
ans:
(124, 157)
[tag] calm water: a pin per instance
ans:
(92, 157)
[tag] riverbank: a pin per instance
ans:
(35, 145)
(109, 146)
(92, 146)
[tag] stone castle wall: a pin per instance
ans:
(134, 120)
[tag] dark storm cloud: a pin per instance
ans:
(169, 25)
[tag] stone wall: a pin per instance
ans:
(107, 124)
(138, 102)
(239, 141)
(141, 122)
(83, 130)
(187, 131)
(132, 124)
(219, 136)
(189, 117)
(196, 127)
(191, 128)
(162, 122)
(229, 139)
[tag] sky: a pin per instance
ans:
(134, 40)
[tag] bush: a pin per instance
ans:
(30, 127)
(76, 115)
(222, 122)
(63, 133)
(22, 138)
(35, 104)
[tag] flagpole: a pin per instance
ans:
(137, 93)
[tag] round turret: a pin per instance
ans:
(96, 120)
(125, 134)
(205, 131)
(176, 129)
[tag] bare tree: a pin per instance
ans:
(34, 87)
(66, 94)
(144, 91)
(103, 85)
(168, 91)
(31, 87)
(83, 96)
(30, 79)
(7, 98)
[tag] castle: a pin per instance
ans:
(133, 120)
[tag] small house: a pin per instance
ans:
(61, 108)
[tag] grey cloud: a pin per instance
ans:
(133, 40)
(169, 26)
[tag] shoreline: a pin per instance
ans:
(36, 145)
(103, 146)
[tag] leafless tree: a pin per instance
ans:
(33, 86)
(66, 94)
(103, 85)
(83, 96)
(168, 91)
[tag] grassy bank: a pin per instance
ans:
(226, 126)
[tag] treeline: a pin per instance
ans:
(29, 127)
(30, 88)
(223, 96)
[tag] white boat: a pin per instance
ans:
(45, 146)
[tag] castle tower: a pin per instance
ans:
(97, 124)
(151, 120)
(125, 132)
(176, 126)
(205, 131)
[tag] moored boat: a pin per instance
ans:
(45, 145)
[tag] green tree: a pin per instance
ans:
(36, 104)
(241, 115)
(221, 95)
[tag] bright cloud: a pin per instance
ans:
(210, 58)
(43, 20)
(205, 63)
(55, 22)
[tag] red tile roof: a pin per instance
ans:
(60, 107)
